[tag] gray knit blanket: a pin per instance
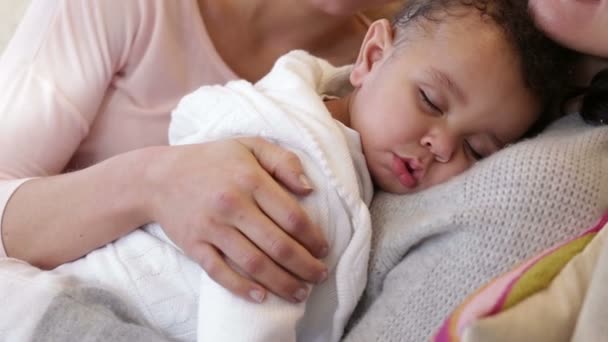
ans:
(432, 249)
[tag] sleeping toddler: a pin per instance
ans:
(447, 84)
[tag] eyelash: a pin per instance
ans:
(428, 102)
(472, 152)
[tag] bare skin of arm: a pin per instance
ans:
(206, 205)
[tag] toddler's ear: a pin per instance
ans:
(377, 41)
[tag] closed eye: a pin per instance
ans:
(472, 152)
(428, 103)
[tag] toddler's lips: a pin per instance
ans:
(402, 173)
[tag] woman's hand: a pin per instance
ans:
(221, 204)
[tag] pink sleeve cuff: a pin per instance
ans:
(7, 189)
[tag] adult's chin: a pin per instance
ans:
(346, 7)
(576, 24)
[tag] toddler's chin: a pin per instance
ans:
(399, 189)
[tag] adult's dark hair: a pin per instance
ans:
(546, 66)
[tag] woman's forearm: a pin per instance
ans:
(52, 220)
(211, 199)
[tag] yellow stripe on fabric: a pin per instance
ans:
(542, 272)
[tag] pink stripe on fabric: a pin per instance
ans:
(500, 303)
(478, 305)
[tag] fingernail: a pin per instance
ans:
(322, 277)
(305, 182)
(257, 295)
(301, 294)
(323, 252)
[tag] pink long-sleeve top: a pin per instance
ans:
(85, 80)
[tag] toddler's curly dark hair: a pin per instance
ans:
(546, 66)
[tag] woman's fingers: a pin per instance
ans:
(283, 165)
(276, 203)
(258, 266)
(217, 269)
(287, 213)
(279, 246)
(215, 200)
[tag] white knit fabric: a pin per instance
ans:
(35, 291)
(431, 249)
(285, 107)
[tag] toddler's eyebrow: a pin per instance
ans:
(444, 80)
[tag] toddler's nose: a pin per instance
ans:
(442, 146)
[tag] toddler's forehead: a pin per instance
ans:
(478, 58)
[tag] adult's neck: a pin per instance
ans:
(340, 109)
(282, 22)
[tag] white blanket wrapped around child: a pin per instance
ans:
(175, 295)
